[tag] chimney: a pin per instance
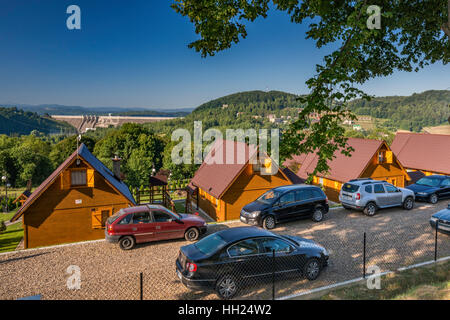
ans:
(116, 167)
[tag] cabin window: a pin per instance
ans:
(78, 178)
(381, 157)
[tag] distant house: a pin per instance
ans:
(224, 189)
(73, 203)
(371, 159)
(429, 153)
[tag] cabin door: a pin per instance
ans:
(99, 217)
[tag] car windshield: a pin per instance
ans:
(269, 196)
(348, 187)
(429, 182)
(210, 244)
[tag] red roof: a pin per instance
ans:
(342, 168)
(87, 156)
(423, 151)
(214, 178)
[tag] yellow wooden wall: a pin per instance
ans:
(54, 218)
(247, 188)
(390, 172)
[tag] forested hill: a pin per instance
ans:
(241, 110)
(273, 100)
(429, 108)
(15, 121)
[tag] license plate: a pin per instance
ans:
(179, 274)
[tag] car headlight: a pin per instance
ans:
(434, 219)
(254, 214)
(422, 193)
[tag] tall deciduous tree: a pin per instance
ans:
(412, 34)
(139, 148)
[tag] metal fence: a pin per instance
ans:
(352, 255)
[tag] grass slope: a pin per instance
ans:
(425, 283)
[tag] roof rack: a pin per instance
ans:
(360, 179)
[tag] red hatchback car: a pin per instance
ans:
(151, 223)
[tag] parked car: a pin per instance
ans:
(228, 260)
(431, 188)
(286, 203)
(151, 223)
(441, 219)
(370, 195)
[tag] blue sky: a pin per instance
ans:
(134, 54)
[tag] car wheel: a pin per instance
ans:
(408, 204)
(127, 243)
(226, 287)
(191, 234)
(317, 215)
(269, 222)
(311, 270)
(370, 209)
(433, 198)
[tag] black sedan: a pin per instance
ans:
(431, 188)
(286, 203)
(441, 220)
(231, 259)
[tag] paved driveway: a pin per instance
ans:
(395, 238)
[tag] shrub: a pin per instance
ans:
(2, 226)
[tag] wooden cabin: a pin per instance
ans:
(73, 203)
(226, 181)
(423, 153)
(371, 159)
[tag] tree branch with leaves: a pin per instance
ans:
(413, 34)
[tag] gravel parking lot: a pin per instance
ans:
(395, 238)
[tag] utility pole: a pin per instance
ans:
(5, 180)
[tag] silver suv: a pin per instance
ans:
(370, 195)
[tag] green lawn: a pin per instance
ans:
(10, 238)
(7, 216)
(425, 283)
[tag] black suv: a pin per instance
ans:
(286, 203)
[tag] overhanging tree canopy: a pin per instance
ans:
(413, 34)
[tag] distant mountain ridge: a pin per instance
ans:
(16, 121)
(249, 97)
(57, 109)
(249, 109)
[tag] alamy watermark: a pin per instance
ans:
(374, 280)
(74, 20)
(74, 280)
(374, 20)
(239, 147)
